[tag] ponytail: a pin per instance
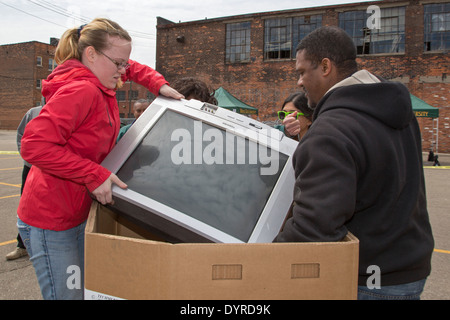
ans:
(95, 34)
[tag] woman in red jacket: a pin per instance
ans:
(66, 143)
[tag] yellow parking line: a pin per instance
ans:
(7, 242)
(440, 167)
(9, 152)
(11, 185)
(11, 169)
(442, 251)
(9, 158)
(16, 195)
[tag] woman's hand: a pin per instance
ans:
(103, 193)
(170, 92)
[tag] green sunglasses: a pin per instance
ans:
(283, 114)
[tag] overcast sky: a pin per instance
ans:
(37, 20)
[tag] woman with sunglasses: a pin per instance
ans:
(296, 116)
(66, 144)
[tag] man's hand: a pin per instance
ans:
(291, 125)
(170, 92)
(103, 193)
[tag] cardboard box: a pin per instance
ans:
(121, 263)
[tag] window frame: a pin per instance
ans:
(389, 39)
(441, 43)
(238, 42)
(121, 95)
(278, 47)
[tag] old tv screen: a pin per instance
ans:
(199, 173)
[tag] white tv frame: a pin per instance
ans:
(166, 221)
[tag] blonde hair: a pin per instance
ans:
(95, 34)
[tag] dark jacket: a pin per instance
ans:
(359, 169)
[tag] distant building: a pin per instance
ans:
(253, 56)
(23, 67)
(128, 95)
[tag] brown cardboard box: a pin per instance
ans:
(120, 263)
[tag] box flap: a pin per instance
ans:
(133, 268)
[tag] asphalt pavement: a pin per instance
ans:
(18, 281)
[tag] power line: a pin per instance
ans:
(60, 10)
(32, 14)
(83, 19)
(136, 34)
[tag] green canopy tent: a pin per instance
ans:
(424, 110)
(228, 101)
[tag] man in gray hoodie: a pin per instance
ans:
(359, 168)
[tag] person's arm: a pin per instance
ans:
(325, 190)
(21, 129)
(45, 141)
(103, 193)
(151, 79)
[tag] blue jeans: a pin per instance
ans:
(408, 291)
(58, 260)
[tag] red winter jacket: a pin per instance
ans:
(66, 143)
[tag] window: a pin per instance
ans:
(278, 42)
(354, 23)
(38, 84)
(39, 61)
(437, 27)
(302, 26)
(283, 35)
(121, 95)
(133, 95)
(51, 64)
(238, 42)
(389, 38)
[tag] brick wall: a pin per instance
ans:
(18, 79)
(126, 104)
(265, 84)
(19, 73)
(16, 82)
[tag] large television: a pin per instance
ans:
(200, 173)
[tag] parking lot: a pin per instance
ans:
(18, 281)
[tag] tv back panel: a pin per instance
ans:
(200, 173)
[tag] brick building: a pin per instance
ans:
(253, 55)
(128, 95)
(22, 69)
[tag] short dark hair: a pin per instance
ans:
(301, 103)
(332, 43)
(190, 86)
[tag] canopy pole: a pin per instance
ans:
(437, 135)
